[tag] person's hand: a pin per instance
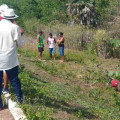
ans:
(57, 41)
(21, 30)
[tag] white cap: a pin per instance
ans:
(3, 7)
(9, 14)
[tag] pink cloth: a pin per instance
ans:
(0, 18)
(114, 83)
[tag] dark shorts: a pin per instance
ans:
(40, 49)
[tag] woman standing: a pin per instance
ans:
(60, 42)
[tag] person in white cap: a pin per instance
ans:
(5, 87)
(4, 7)
(10, 38)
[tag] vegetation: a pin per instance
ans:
(54, 11)
(72, 90)
(52, 16)
(76, 89)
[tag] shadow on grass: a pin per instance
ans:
(32, 75)
(37, 96)
(59, 104)
(70, 109)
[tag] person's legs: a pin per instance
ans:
(1, 77)
(50, 51)
(5, 80)
(5, 88)
(53, 53)
(40, 53)
(61, 51)
(15, 82)
(62, 59)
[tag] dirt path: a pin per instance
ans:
(5, 114)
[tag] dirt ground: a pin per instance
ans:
(5, 114)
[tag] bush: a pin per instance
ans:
(113, 48)
(99, 44)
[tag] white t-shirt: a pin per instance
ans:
(51, 42)
(10, 38)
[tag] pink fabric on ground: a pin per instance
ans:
(114, 83)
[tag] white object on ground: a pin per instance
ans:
(7, 97)
(14, 108)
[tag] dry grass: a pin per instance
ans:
(74, 35)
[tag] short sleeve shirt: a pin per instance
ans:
(40, 41)
(10, 38)
(51, 42)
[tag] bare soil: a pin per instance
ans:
(5, 114)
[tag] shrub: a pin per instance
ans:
(100, 39)
(113, 48)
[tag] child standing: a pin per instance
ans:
(51, 43)
(40, 44)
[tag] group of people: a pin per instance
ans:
(10, 39)
(51, 44)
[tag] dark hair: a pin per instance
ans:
(40, 31)
(61, 33)
(50, 34)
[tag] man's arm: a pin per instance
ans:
(17, 36)
(38, 40)
(21, 30)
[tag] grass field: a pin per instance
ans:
(74, 90)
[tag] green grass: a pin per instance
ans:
(42, 99)
(72, 98)
(62, 70)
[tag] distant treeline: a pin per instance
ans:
(54, 11)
